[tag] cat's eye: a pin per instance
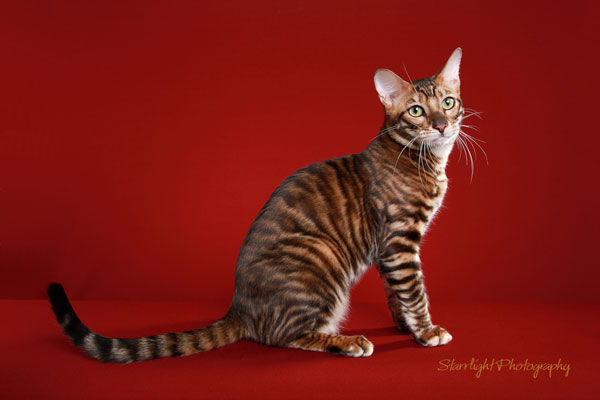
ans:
(415, 111)
(448, 103)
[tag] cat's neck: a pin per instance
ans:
(390, 155)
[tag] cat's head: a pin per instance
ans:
(427, 110)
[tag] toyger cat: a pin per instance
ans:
(318, 233)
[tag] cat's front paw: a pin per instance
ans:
(436, 336)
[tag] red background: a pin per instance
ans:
(138, 140)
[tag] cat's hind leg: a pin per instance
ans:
(351, 346)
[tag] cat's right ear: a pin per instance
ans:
(389, 86)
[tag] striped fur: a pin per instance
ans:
(122, 350)
(319, 232)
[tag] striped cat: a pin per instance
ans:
(321, 230)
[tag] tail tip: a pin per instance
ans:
(58, 297)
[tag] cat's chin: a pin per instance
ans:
(442, 146)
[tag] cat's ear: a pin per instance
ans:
(389, 86)
(448, 75)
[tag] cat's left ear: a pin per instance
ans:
(448, 76)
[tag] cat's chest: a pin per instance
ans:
(414, 204)
(436, 195)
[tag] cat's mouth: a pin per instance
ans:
(437, 139)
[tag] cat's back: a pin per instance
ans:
(324, 202)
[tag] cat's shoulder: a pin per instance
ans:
(347, 163)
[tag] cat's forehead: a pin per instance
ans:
(427, 88)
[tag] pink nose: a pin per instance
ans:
(440, 127)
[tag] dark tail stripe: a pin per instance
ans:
(104, 346)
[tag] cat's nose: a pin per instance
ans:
(440, 127)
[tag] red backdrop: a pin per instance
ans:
(138, 140)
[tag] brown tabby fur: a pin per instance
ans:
(318, 233)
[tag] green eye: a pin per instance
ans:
(448, 103)
(415, 111)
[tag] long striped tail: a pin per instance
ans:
(220, 333)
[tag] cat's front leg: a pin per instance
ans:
(396, 309)
(400, 269)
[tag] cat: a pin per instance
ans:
(320, 231)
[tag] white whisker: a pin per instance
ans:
(462, 147)
(459, 148)
(472, 163)
(402, 151)
(419, 165)
(470, 127)
(474, 143)
(469, 116)
(410, 81)
(425, 151)
(384, 131)
(473, 112)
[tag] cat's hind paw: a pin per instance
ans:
(350, 346)
(353, 346)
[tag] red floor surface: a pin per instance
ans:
(39, 363)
